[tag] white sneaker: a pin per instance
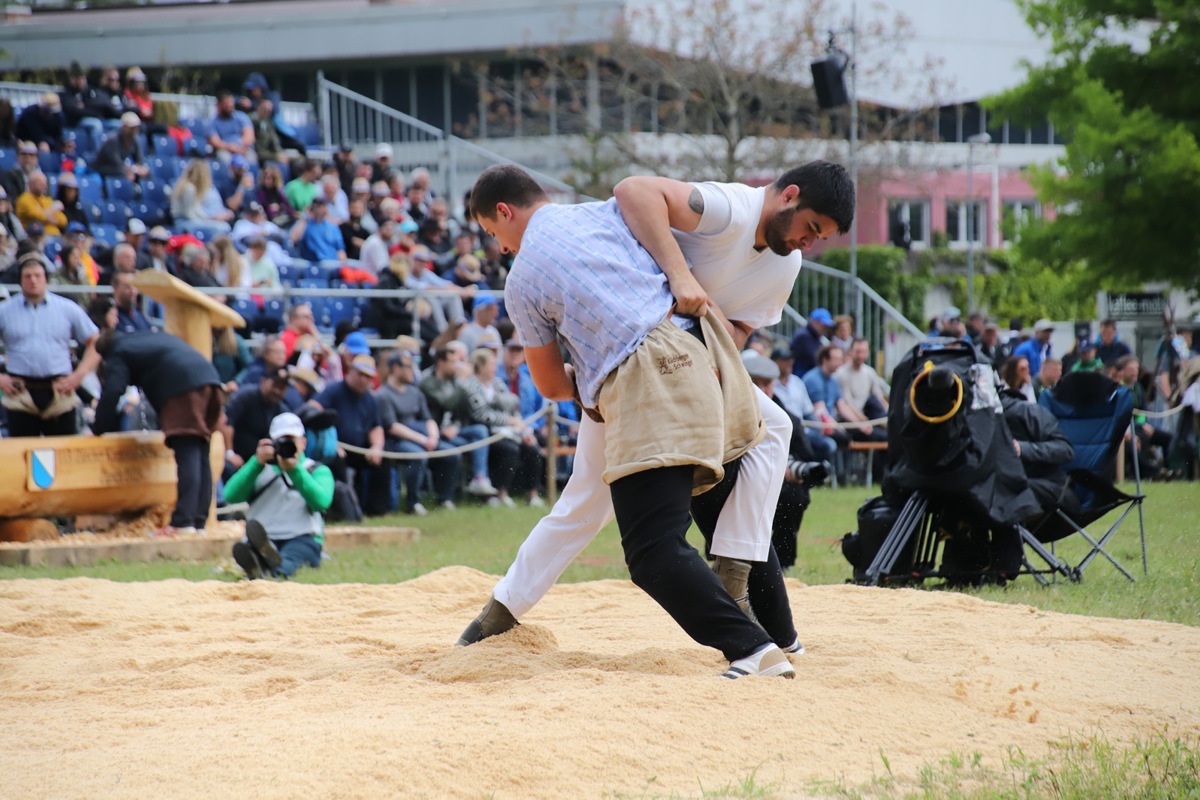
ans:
(537, 502)
(448, 505)
(507, 502)
(480, 485)
(419, 510)
(768, 660)
(796, 648)
(493, 501)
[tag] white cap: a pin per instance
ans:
(1043, 325)
(286, 424)
(383, 149)
(136, 226)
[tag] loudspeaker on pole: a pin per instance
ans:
(829, 80)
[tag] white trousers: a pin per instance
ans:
(585, 506)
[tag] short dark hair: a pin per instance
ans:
(31, 259)
(504, 183)
(825, 188)
(223, 93)
(826, 352)
(1108, 323)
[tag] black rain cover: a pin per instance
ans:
(949, 449)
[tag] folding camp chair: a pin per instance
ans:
(1094, 412)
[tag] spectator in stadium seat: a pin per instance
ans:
(354, 232)
(346, 166)
(16, 180)
(444, 297)
(125, 297)
(306, 186)
(267, 145)
(68, 195)
(10, 220)
(415, 207)
(230, 131)
(381, 167)
(360, 189)
(272, 197)
(443, 389)
(196, 204)
(139, 100)
(69, 271)
(300, 322)
(84, 106)
(272, 354)
(35, 205)
(156, 248)
(256, 90)
(824, 391)
(239, 191)
(135, 237)
(337, 200)
(484, 313)
(254, 224)
(8, 123)
(110, 90)
(317, 238)
(43, 124)
(230, 355)
(376, 252)
(196, 269)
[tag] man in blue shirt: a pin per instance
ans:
(809, 340)
(125, 295)
(230, 132)
(359, 425)
(1037, 349)
(318, 238)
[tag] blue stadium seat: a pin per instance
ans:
(50, 163)
(164, 168)
(85, 145)
(163, 144)
(52, 247)
(246, 307)
(106, 233)
(286, 275)
(115, 213)
(90, 189)
(95, 212)
(120, 189)
(151, 213)
(339, 309)
(273, 307)
(8, 157)
(320, 308)
(204, 234)
(309, 133)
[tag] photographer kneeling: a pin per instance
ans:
(287, 493)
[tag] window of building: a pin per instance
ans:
(965, 222)
(1015, 214)
(908, 223)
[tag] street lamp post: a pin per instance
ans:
(979, 138)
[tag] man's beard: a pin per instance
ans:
(777, 229)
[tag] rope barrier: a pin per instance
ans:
(1157, 414)
(453, 451)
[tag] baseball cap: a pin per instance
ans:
(1043, 325)
(76, 227)
(991, 325)
(130, 120)
(279, 375)
(515, 344)
(286, 424)
(951, 312)
(380, 189)
(135, 74)
(346, 147)
(1085, 344)
(319, 200)
(489, 339)
(761, 367)
(409, 226)
(28, 148)
(383, 150)
(50, 100)
(781, 353)
(821, 315)
(356, 344)
(34, 228)
(485, 300)
(135, 226)
(68, 179)
(360, 185)
(363, 364)
(420, 253)
(239, 160)
(406, 342)
(399, 357)
(254, 206)
(160, 234)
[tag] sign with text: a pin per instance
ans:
(1136, 305)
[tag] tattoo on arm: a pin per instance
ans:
(696, 201)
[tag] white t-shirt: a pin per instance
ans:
(749, 286)
(857, 385)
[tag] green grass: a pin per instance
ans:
(1167, 767)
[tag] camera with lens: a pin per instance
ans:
(285, 448)
(809, 473)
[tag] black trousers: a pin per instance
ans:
(22, 424)
(767, 592)
(195, 481)
(652, 511)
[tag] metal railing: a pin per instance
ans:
(191, 106)
(347, 116)
(889, 332)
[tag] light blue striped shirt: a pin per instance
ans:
(580, 275)
(37, 339)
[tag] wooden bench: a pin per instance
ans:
(870, 449)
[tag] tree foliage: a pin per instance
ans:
(1120, 87)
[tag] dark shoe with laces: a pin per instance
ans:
(493, 620)
(246, 558)
(262, 544)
